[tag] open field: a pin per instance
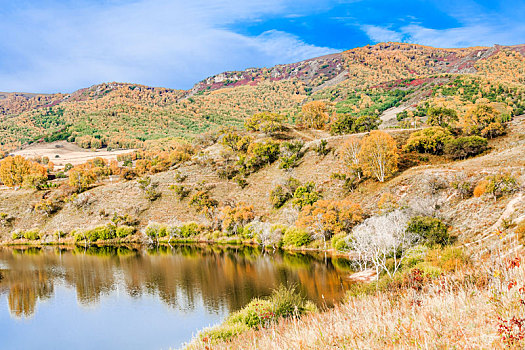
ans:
(63, 152)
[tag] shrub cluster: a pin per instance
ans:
(105, 232)
(466, 146)
(430, 140)
(181, 191)
(149, 188)
(124, 231)
(236, 142)
(266, 122)
(295, 237)
(432, 230)
(497, 186)
(155, 231)
(347, 123)
(322, 148)
(31, 235)
(284, 302)
(305, 195)
(48, 206)
(109, 231)
(282, 193)
(291, 153)
(203, 202)
(259, 155)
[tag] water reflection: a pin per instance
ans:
(182, 277)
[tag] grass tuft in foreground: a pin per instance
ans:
(284, 302)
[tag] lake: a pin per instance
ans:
(144, 298)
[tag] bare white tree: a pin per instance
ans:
(268, 235)
(290, 215)
(349, 155)
(174, 229)
(318, 231)
(381, 238)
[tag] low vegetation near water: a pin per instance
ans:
(475, 306)
(285, 302)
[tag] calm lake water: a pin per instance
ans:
(138, 298)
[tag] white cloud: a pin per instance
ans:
(154, 42)
(478, 26)
(472, 35)
(381, 34)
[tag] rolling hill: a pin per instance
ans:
(122, 115)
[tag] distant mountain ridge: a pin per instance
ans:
(317, 71)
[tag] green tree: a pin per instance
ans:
(466, 146)
(441, 116)
(429, 140)
(305, 195)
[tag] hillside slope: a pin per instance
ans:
(470, 218)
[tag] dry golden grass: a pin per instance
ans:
(460, 311)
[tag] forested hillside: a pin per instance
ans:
(362, 81)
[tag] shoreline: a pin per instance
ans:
(332, 253)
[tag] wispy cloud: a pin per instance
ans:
(478, 26)
(474, 35)
(379, 34)
(156, 42)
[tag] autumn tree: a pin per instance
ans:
(18, 171)
(266, 122)
(314, 115)
(378, 155)
(203, 203)
(236, 142)
(235, 217)
(326, 218)
(429, 140)
(81, 179)
(484, 120)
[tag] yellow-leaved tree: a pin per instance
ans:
(314, 115)
(484, 120)
(378, 155)
(18, 171)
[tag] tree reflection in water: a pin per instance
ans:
(225, 279)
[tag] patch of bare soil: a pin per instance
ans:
(63, 152)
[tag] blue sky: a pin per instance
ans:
(61, 46)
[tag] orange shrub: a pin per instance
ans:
(481, 188)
